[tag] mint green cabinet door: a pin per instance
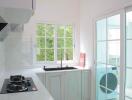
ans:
(73, 85)
(54, 84)
(86, 84)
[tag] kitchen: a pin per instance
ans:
(18, 46)
(19, 50)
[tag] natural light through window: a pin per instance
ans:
(54, 42)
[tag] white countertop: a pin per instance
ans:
(41, 94)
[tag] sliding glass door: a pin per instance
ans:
(101, 60)
(108, 58)
(114, 57)
(128, 87)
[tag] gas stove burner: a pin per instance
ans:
(18, 83)
(16, 88)
(17, 78)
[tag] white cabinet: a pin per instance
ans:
(86, 84)
(16, 11)
(42, 77)
(73, 85)
(55, 84)
(68, 85)
(26, 4)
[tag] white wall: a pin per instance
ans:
(2, 59)
(19, 46)
(89, 11)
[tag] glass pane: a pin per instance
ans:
(69, 54)
(101, 82)
(129, 53)
(50, 43)
(60, 43)
(108, 52)
(117, 97)
(69, 31)
(129, 25)
(100, 73)
(40, 29)
(114, 27)
(113, 96)
(101, 52)
(40, 54)
(113, 76)
(129, 82)
(69, 43)
(128, 98)
(101, 93)
(114, 53)
(50, 54)
(38, 42)
(60, 31)
(106, 82)
(128, 88)
(101, 29)
(49, 30)
(41, 42)
(60, 54)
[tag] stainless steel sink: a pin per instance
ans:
(60, 68)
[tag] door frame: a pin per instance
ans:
(122, 13)
(127, 9)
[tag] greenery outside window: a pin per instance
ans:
(54, 42)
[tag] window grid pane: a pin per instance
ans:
(69, 31)
(50, 30)
(66, 43)
(40, 54)
(60, 54)
(40, 29)
(60, 31)
(49, 42)
(113, 27)
(50, 54)
(60, 42)
(46, 38)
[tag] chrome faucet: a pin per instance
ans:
(61, 64)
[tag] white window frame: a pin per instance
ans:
(55, 62)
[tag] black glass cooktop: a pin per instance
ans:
(17, 84)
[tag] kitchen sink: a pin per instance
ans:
(60, 68)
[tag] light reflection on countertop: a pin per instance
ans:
(41, 94)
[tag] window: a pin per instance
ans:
(64, 43)
(54, 42)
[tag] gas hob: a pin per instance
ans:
(18, 83)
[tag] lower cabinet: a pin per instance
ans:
(67, 85)
(41, 76)
(86, 84)
(55, 84)
(73, 85)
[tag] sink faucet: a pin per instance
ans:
(61, 64)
